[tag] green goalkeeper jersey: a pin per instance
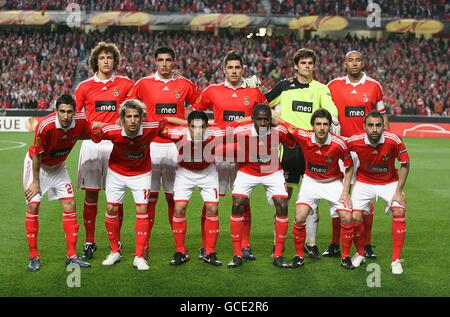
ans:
(298, 101)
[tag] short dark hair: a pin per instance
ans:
(197, 114)
(262, 107)
(374, 114)
(233, 56)
(321, 113)
(65, 99)
(164, 50)
(104, 47)
(304, 53)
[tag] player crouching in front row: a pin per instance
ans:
(129, 167)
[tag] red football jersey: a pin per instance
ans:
(377, 163)
(130, 156)
(196, 156)
(322, 161)
(100, 99)
(228, 103)
(258, 155)
(54, 142)
(354, 101)
(164, 98)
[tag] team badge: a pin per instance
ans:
(116, 92)
(246, 101)
(385, 157)
(328, 159)
(366, 97)
(177, 94)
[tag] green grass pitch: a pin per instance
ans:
(426, 259)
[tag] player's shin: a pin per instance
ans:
(299, 236)
(245, 243)
(89, 216)
(236, 227)
(346, 238)
(170, 207)
(368, 221)
(398, 234)
(142, 232)
(179, 233)
(281, 228)
(203, 219)
(336, 230)
(70, 227)
(312, 227)
(358, 236)
(211, 233)
(32, 229)
(112, 228)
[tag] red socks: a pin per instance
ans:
(398, 235)
(211, 233)
(179, 233)
(299, 236)
(203, 218)
(336, 230)
(245, 242)
(142, 232)
(70, 227)
(358, 237)
(368, 220)
(89, 215)
(32, 228)
(281, 227)
(170, 207)
(113, 229)
(236, 228)
(346, 238)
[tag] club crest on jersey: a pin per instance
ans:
(366, 97)
(246, 101)
(116, 92)
(177, 94)
(328, 159)
(385, 157)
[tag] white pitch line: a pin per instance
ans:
(18, 146)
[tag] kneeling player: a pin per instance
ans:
(323, 180)
(260, 165)
(129, 168)
(377, 177)
(195, 169)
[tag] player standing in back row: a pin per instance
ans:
(296, 100)
(230, 101)
(99, 97)
(355, 95)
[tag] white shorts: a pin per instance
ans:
(117, 185)
(274, 184)
(227, 175)
(355, 159)
(312, 191)
(53, 180)
(93, 164)
(164, 163)
(207, 180)
(363, 194)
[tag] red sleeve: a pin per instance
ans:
(201, 103)
(79, 98)
(346, 157)
(100, 134)
(133, 92)
(40, 141)
(402, 156)
(287, 139)
(193, 94)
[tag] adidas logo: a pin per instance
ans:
(318, 152)
(104, 88)
(354, 92)
(292, 85)
(166, 88)
(234, 95)
(375, 152)
(64, 137)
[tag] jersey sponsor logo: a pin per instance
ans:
(106, 106)
(166, 108)
(233, 115)
(60, 153)
(357, 111)
(301, 106)
(379, 169)
(134, 155)
(318, 169)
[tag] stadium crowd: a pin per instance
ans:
(37, 66)
(437, 9)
